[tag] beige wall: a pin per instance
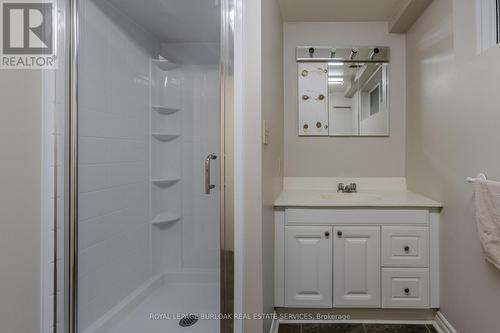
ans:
(272, 154)
(252, 159)
(20, 201)
(351, 157)
(453, 116)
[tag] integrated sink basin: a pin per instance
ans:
(353, 197)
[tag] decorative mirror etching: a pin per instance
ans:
(344, 96)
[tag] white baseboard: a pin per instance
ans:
(442, 324)
(274, 324)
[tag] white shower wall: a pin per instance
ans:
(192, 243)
(114, 222)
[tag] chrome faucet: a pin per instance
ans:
(350, 188)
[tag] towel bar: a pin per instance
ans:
(480, 176)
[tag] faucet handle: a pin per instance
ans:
(340, 187)
(353, 187)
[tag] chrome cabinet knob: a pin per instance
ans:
(327, 234)
(407, 291)
(407, 249)
(339, 233)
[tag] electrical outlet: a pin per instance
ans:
(265, 133)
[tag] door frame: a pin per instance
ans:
(226, 184)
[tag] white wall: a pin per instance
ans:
(452, 129)
(334, 157)
(20, 200)
(114, 234)
(343, 121)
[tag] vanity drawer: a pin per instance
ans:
(356, 215)
(405, 246)
(405, 288)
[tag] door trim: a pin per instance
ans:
(71, 303)
(226, 167)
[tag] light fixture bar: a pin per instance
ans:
(337, 55)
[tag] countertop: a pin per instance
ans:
(372, 198)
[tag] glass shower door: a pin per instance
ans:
(148, 194)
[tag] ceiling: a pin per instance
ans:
(175, 21)
(340, 10)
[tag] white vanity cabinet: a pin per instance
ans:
(357, 257)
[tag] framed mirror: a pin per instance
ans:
(355, 85)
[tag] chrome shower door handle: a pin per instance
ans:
(208, 161)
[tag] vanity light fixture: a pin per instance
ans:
(335, 64)
(311, 52)
(333, 55)
(354, 53)
(374, 53)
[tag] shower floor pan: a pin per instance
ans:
(162, 310)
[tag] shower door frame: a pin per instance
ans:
(226, 186)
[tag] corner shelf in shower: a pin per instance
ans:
(164, 65)
(164, 182)
(165, 109)
(165, 136)
(166, 217)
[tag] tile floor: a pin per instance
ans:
(355, 328)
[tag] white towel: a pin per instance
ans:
(488, 218)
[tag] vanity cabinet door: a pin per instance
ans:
(308, 266)
(356, 267)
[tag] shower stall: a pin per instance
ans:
(148, 248)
